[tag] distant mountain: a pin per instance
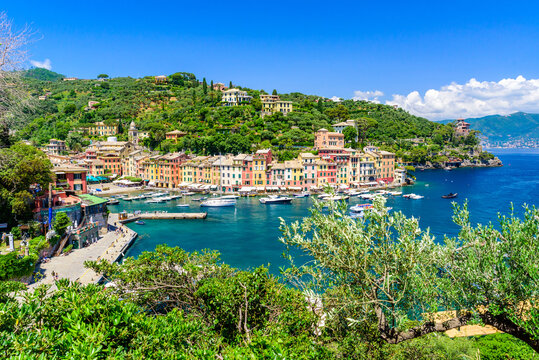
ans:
(499, 128)
(43, 74)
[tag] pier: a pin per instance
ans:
(127, 218)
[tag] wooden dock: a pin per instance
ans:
(162, 216)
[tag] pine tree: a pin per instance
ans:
(211, 85)
(274, 92)
(204, 86)
(230, 86)
(320, 105)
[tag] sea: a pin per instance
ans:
(247, 235)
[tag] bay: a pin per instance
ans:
(247, 235)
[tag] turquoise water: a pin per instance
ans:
(247, 235)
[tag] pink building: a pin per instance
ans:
(462, 128)
(310, 169)
(327, 172)
(324, 139)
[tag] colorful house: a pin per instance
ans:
(71, 178)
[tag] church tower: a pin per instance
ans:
(133, 133)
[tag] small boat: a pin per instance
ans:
(188, 193)
(360, 208)
(367, 196)
(448, 168)
(154, 201)
(229, 197)
(219, 202)
(335, 198)
(140, 222)
(200, 199)
(450, 196)
(129, 198)
(302, 195)
(413, 196)
(112, 202)
(276, 199)
(357, 193)
(182, 205)
(395, 193)
(174, 197)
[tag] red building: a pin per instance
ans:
(267, 154)
(71, 178)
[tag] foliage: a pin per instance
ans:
(12, 265)
(503, 347)
(60, 223)
(485, 156)
(42, 74)
(21, 166)
(385, 267)
(67, 249)
(16, 232)
(197, 308)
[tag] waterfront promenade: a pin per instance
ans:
(109, 247)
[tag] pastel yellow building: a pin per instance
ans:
(102, 129)
(259, 170)
(272, 104)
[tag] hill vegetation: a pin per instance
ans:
(192, 106)
(42, 74)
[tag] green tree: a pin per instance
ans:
(204, 86)
(70, 109)
(60, 223)
(22, 167)
(338, 113)
(384, 268)
(230, 86)
(350, 134)
(74, 141)
(102, 76)
(274, 92)
(320, 105)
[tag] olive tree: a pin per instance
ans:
(13, 53)
(384, 267)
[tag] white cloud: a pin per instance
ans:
(473, 99)
(335, 99)
(45, 64)
(368, 95)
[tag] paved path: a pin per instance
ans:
(110, 247)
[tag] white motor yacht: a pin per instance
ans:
(219, 202)
(276, 199)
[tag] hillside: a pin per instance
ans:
(185, 103)
(501, 129)
(42, 74)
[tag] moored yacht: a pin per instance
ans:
(276, 199)
(219, 202)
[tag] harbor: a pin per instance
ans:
(247, 234)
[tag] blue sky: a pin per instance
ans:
(330, 49)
